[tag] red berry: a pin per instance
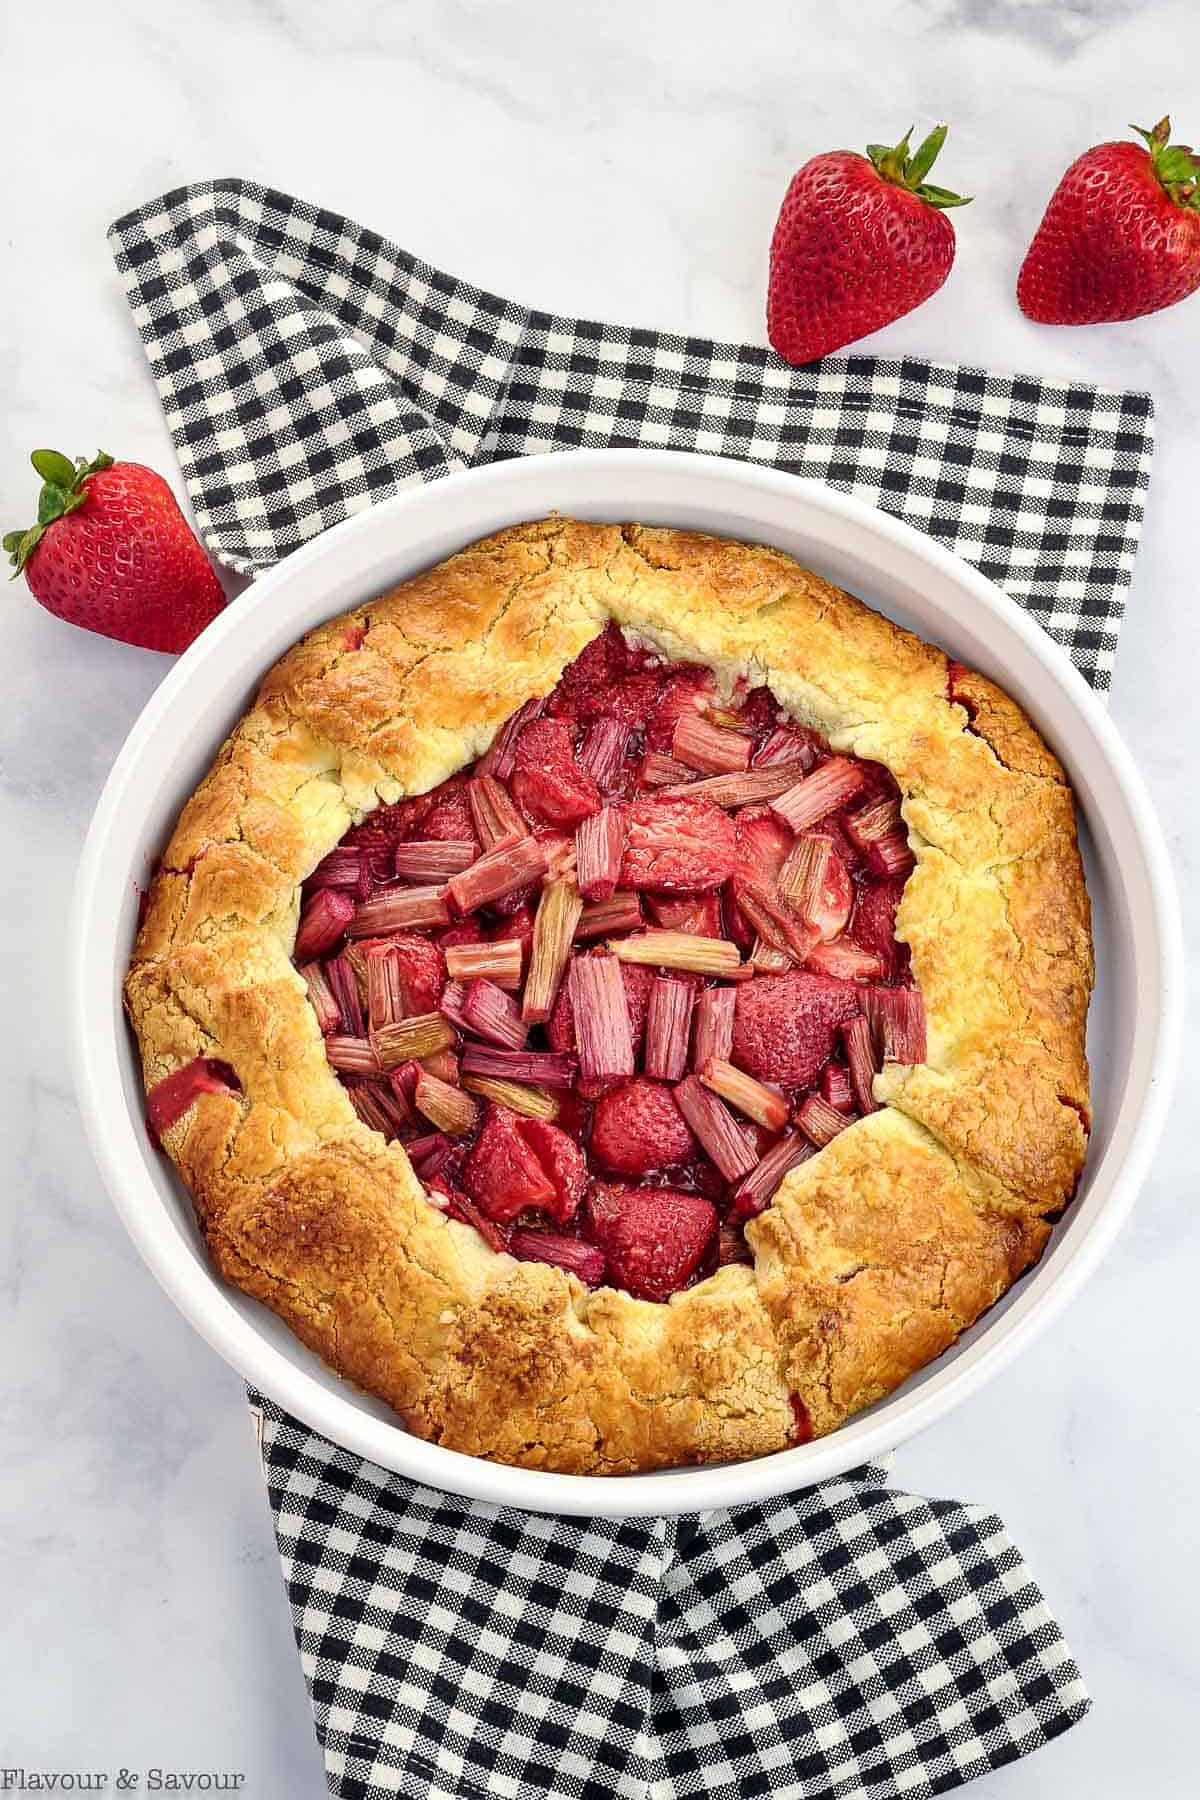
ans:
(873, 926)
(637, 1129)
(562, 1160)
(503, 1174)
(449, 818)
(655, 1239)
(785, 1026)
(681, 846)
(548, 784)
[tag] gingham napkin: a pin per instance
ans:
(847, 1642)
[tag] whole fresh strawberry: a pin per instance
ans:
(1121, 235)
(860, 240)
(112, 552)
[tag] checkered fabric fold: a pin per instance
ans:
(849, 1642)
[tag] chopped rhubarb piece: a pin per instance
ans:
(891, 856)
(714, 1025)
(569, 1253)
(498, 962)
(816, 884)
(553, 930)
(432, 861)
(401, 909)
(683, 690)
(381, 1107)
(732, 1246)
(545, 1068)
(658, 771)
(776, 924)
(502, 872)
(637, 982)
(599, 846)
(756, 1191)
(548, 784)
(668, 1024)
(493, 814)
(742, 789)
(785, 1026)
(697, 914)
(517, 1096)
(819, 1121)
(352, 1056)
(559, 851)
(637, 1129)
(408, 1039)
(601, 1015)
(824, 791)
(897, 1017)
(419, 1150)
(342, 868)
(492, 1014)
(862, 1064)
(835, 1085)
(873, 926)
(602, 754)
(789, 744)
(727, 1143)
(881, 819)
(343, 983)
(763, 844)
(447, 1107)
(443, 1064)
(169, 1099)
(323, 923)
(766, 960)
(503, 1174)
(712, 749)
(467, 1213)
(751, 1097)
(498, 761)
(385, 988)
(322, 998)
(562, 1159)
(606, 918)
(655, 1239)
(678, 950)
(451, 1004)
(845, 960)
(681, 845)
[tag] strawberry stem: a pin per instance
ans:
(906, 168)
(1175, 165)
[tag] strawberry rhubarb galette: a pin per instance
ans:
(620, 1000)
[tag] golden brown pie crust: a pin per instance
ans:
(873, 1257)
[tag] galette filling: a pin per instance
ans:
(610, 984)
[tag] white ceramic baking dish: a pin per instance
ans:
(1135, 1022)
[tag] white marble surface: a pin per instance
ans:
(623, 161)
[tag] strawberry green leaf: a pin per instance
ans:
(12, 541)
(924, 157)
(941, 197)
(53, 466)
(52, 503)
(29, 542)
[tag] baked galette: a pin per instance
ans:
(621, 1000)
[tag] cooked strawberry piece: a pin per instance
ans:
(655, 1239)
(775, 923)
(637, 1129)
(763, 843)
(699, 914)
(548, 784)
(873, 926)
(680, 845)
(569, 1253)
(389, 824)
(785, 1026)
(562, 1160)
(503, 1174)
(681, 693)
(845, 960)
(608, 679)
(517, 928)
(422, 971)
(466, 931)
(450, 817)
(169, 1099)
(758, 710)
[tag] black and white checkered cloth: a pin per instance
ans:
(850, 1641)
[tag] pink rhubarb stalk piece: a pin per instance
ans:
(784, 746)
(892, 856)
(401, 909)
(599, 846)
(729, 1144)
(714, 1025)
(755, 1193)
(605, 918)
(819, 1121)
(498, 875)
(385, 986)
(432, 861)
(323, 923)
(816, 884)
(451, 1004)
(710, 748)
(492, 1014)
(499, 962)
(828, 787)
(543, 1068)
(602, 1026)
(321, 998)
(881, 819)
(859, 1044)
(352, 1056)
(447, 1107)
(569, 1253)
(518, 1096)
(410, 1039)
(343, 984)
(381, 1107)
(678, 950)
(500, 760)
(845, 960)
(836, 1088)
(753, 1098)
(602, 753)
(668, 1022)
(342, 868)
(744, 789)
(559, 908)
(443, 1064)
(493, 814)
(169, 1099)
(658, 771)
(776, 924)
(897, 1018)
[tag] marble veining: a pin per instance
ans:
(627, 162)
